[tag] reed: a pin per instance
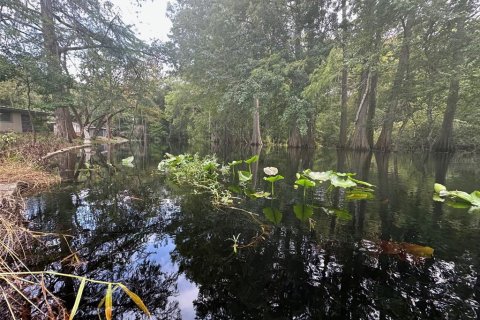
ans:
(24, 292)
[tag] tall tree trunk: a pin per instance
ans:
(444, 142)
(256, 136)
(384, 142)
(108, 129)
(372, 106)
(342, 141)
(63, 119)
(359, 139)
(295, 138)
(310, 138)
(29, 106)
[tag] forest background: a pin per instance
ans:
(367, 74)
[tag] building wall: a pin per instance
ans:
(14, 126)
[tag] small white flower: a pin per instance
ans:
(270, 171)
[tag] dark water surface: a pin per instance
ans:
(173, 249)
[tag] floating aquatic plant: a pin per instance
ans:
(251, 160)
(273, 214)
(457, 199)
(233, 164)
(128, 162)
(273, 177)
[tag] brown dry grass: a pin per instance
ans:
(18, 297)
(31, 177)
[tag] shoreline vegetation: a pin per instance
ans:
(24, 293)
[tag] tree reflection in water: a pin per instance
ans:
(118, 217)
(342, 269)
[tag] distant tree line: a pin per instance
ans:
(364, 75)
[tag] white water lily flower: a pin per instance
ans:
(270, 171)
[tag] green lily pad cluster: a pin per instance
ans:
(356, 189)
(206, 174)
(457, 199)
(243, 175)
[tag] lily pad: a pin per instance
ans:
(306, 183)
(128, 162)
(252, 159)
(244, 176)
(341, 182)
(319, 176)
(439, 187)
(274, 178)
(303, 211)
(273, 214)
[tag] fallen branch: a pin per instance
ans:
(51, 154)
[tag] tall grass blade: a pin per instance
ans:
(78, 298)
(135, 299)
(108, 302)
(9, 306)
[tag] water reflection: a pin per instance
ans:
(171, 246)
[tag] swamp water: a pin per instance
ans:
(132, 225)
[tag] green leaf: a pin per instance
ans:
(461, 195)
(274, 178)
(128, 162)
(359, 195)
(273, 214)
(210, 166)
(260, 194)
(436, 197)
(343, 174)
(475, 196)
(457, 204)
(318, 176)
(235, 163)
(244, 176)
(306, 183)
(342, 182)
(302, 211)
(439, 187)
(252, 159)
(474, 210)
(235, 189)
(361, 182)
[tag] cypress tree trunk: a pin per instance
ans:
(256, 136)
(359, 139)
(372, 106)
(63, 119)
(342, 140)
(444, 142)
(384, 142)
(295, 138)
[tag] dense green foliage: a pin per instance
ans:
(79, 61)
(408, 65)
(363, 74)
(205, 175)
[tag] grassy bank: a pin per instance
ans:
(21, 166)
